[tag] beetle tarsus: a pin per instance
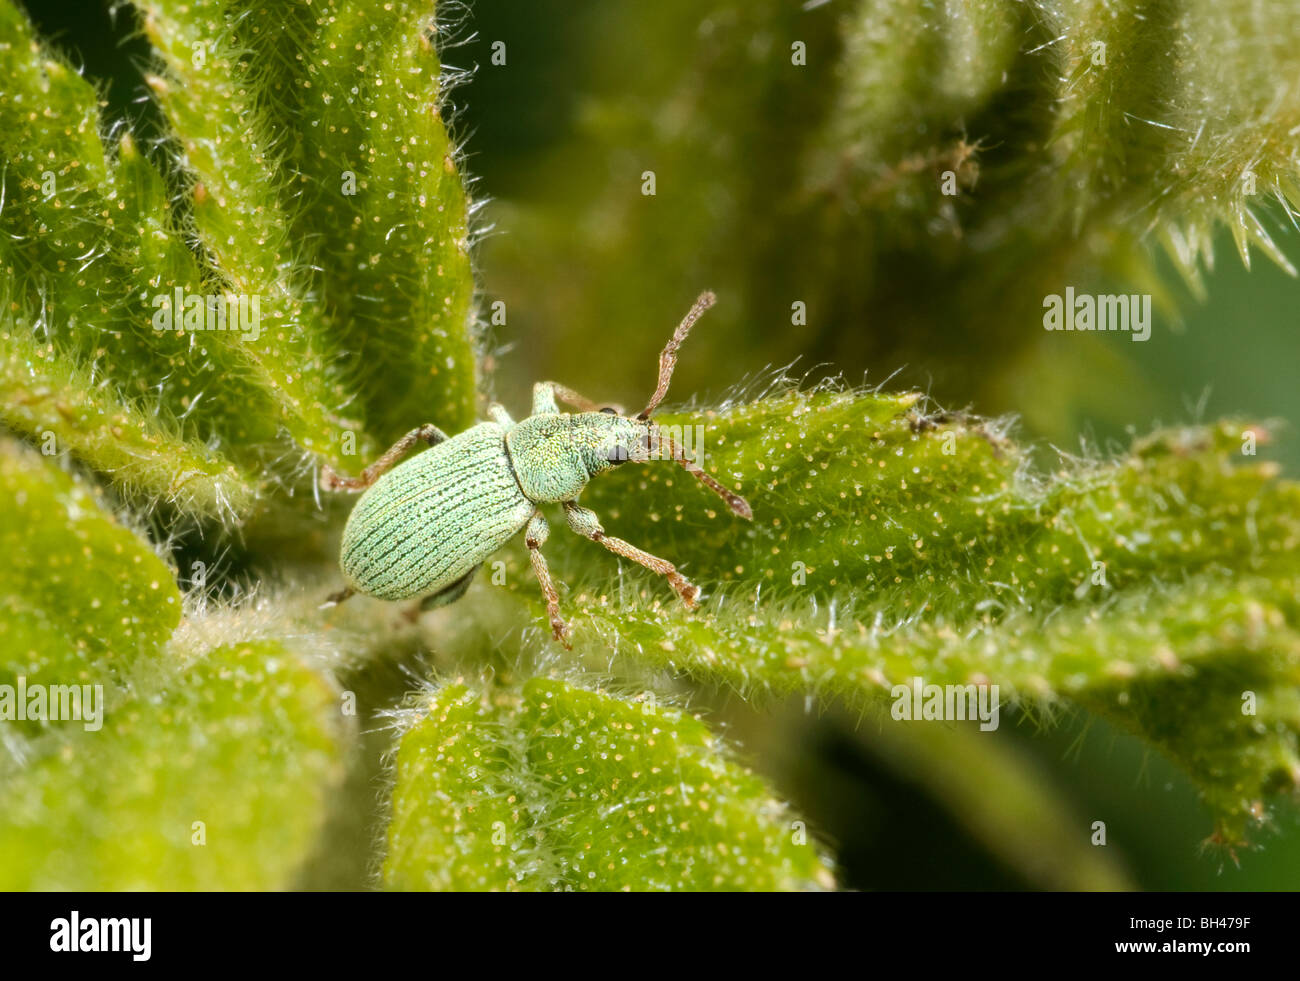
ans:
(688, 591)
(330, 479)
(585, 522)
(535, 537)
(334, 599)
(560, 630)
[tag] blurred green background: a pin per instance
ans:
(594, 275)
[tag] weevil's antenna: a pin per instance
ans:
(668, 358)
(738, 504)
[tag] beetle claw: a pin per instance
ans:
(328, 479)
(689, 592)
(560, 630)
(334, 599)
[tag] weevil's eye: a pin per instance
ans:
(615, 453)
(612, 411)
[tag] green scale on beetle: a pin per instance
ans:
(422, 529)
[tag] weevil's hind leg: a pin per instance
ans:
(452, 593)
(329, 480)
(535, 537)
(585, 523)
(500, 416)
(548, 395)
(334, 599)
(444, 597)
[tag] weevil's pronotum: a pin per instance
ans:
(422, 529)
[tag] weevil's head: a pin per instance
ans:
(607, 438)
(615, 439)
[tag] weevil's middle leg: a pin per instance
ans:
(535, 537)
(330, 480)
(448, 595)
(585, 523)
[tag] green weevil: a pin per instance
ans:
(422, 529)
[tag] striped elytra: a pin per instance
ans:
(430, 520)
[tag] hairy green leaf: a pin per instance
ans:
(346, 249)
(219, 782)
(83, 597)
(367, 195)
(557, 787)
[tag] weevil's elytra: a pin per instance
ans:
(427, 522)
(422, 528)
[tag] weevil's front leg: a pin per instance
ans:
(500, 416)
(535, 536)
(585, 523)
(546, 394)
(329, 480)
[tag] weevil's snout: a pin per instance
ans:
(646, 443)
(635, 446)
(624, 441)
